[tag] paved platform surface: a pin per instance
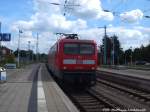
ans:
(32, 89)
(129, 72)
(16, 93)
(57, 101)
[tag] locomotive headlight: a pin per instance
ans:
(93, 68)
(65, 67)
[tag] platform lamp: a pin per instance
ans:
(20, 31)
(131, 54)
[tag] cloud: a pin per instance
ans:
(46, 7)
(25, 25)
(134, 37)
(90, 9)
(143, 29)
(130, 37)
(48, 19)
(87, 9)
(132, 16)
(54, 23)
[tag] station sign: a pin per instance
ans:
(5, 36)
(3, 76)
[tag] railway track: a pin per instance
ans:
(128, 81)
(87, 100)
(143, 97)
(127, 89)
(91, 101)
(133, 86)
(96, 99)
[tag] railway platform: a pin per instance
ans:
(56, 100)
(32, 89)
(144, 74)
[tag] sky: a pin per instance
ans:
(124, 18)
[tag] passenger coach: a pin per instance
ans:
(74, 60)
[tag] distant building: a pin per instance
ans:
(4, 51)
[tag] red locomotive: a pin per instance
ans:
(74, 60)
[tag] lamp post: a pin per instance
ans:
(37, 50)
(125, 58)
(131, 55)
(105, 45)
(29, 42)
(113, 51)
(32, 53)
(19, 48)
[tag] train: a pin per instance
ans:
(73, 60)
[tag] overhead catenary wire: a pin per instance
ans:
(67, 6)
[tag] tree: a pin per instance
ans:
(113, 49)
(137, 54)
(10, 58)
(106, 50)
(116, 50)
(23, 53)
(142, 53)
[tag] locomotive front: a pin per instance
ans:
(78, 61)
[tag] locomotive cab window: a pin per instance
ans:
(71, 48)
(86, 49)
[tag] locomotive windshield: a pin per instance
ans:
(86, 49)
(71, 48)
(78, 48)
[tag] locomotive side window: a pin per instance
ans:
(71, 48)
(86, 49)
